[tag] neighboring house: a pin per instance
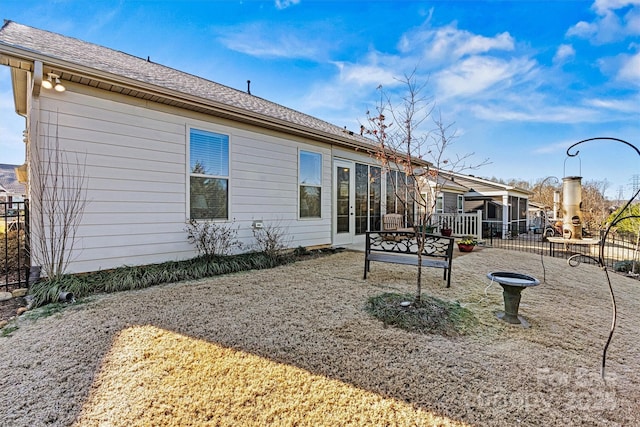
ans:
(504, 207)
(160, 147)
(538, 214)
(443, 195)
(11, 190)
(541, 216)
(450, 197)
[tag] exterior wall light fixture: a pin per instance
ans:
(53, 82)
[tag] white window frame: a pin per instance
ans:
(439, 201)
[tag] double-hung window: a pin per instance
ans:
(208, 175)
(310, 183)
(440, 204)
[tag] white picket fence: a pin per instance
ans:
(461, 224)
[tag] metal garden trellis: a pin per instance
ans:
(575, 259)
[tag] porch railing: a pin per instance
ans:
(461, 224)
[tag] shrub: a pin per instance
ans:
(627, 266)
(271, 239)
(212, 238)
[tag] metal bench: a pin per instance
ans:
(401, 247)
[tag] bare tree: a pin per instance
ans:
(58, 200)
(417, 154)
(595, 206)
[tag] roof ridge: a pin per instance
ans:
(120, 63)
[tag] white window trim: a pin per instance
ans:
(441, 198)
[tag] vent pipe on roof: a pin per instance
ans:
(249, 87)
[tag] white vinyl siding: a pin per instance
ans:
(136, 156)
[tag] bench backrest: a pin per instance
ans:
(405, 242)
(392, 221)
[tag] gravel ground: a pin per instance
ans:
(99, 361)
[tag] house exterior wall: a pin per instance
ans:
(135, 155)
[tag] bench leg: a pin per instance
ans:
(366, 268)
(447, 275)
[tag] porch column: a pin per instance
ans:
(479, 225)
(505, 216)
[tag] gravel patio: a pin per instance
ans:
(293, 346)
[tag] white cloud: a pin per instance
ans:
(602, 6)
(620, 105)
(608, 26)
(480, 44)
(535, 114)
(353, 85)
(556, 147)
(366, 75)
(449, 43)
(583, 29)
(283, 4)
(264, 41)
(622, 68)
(564, 52)
(630, 69)
(633, 21)
(473, 76)
(480, 73)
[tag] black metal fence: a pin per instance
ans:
(14, 244)
(620, 249)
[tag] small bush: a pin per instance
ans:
(627, 266)
(271, 238)
(47, 291)
(212, 238)
(301, 251)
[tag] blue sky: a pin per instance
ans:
(519, 80)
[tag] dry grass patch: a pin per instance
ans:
(245, 344)
(153, 376)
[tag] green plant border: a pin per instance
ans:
(138, 277)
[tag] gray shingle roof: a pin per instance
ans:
(9, 182)
(91, 56)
